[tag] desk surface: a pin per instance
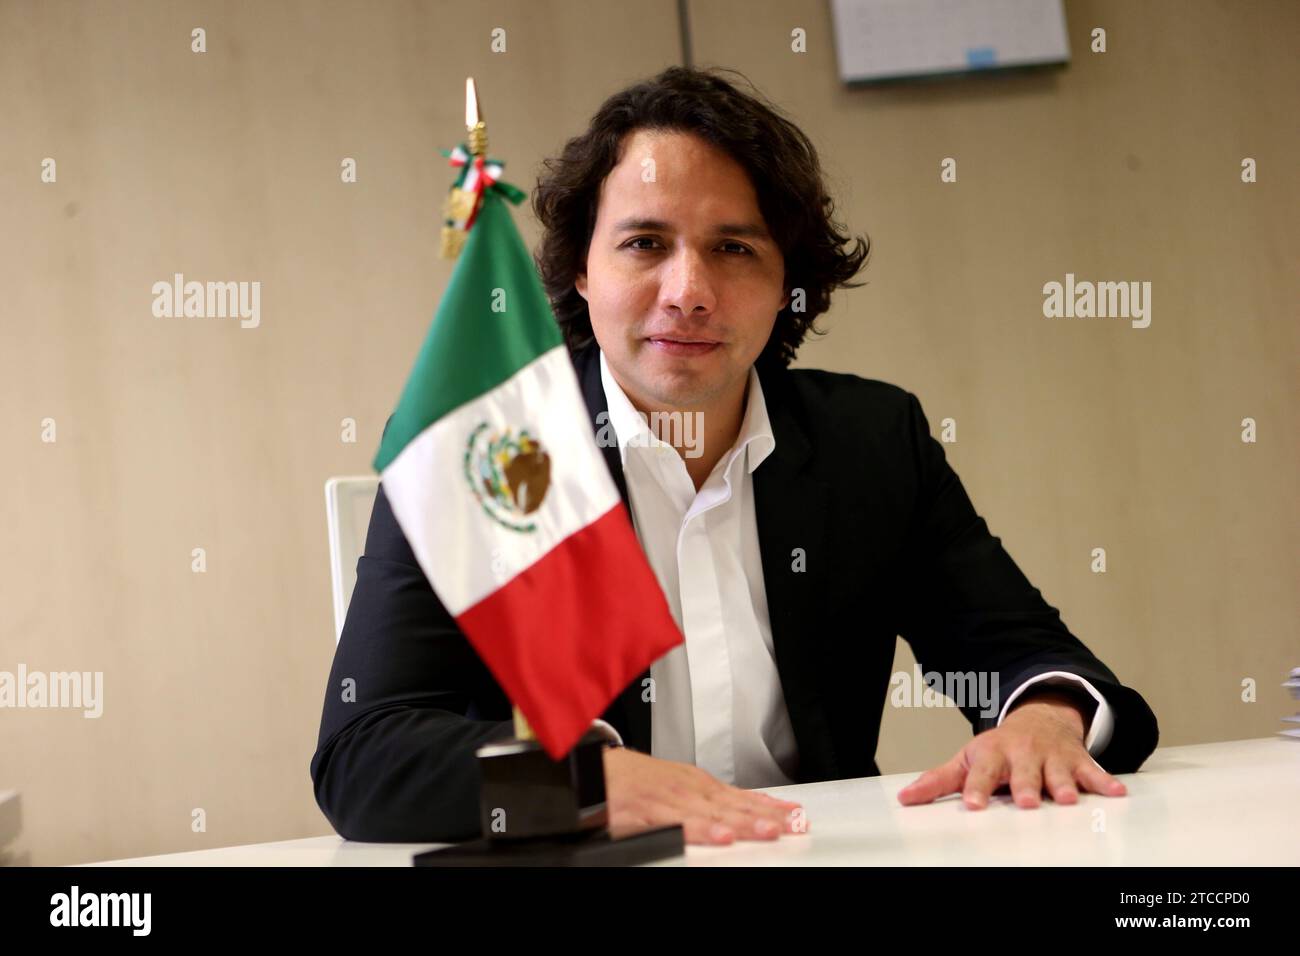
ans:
(1223, 804)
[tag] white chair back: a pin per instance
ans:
(348, 503)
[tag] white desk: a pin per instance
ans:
(1222, 804)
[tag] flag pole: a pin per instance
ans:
(478, 145)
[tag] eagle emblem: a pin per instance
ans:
(509, 473)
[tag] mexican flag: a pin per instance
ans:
(491, 467)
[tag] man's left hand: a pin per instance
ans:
(1039, 745)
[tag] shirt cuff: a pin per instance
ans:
(608, 732)
(1103, 721)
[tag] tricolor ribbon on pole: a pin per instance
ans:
(477, 175)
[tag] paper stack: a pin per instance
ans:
(10, 825)
(1292, 684)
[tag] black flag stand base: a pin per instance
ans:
(536, 811)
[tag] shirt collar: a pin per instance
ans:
(755, 439)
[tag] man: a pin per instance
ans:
(808, 521)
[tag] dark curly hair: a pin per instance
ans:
(778, 156)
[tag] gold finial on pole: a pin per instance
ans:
(474, 122)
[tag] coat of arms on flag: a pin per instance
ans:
(509, 473)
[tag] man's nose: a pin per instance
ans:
(687, 284)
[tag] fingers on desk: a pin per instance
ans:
(937, 782)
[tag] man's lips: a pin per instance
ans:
(682, 345)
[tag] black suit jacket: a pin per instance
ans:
(892, 546)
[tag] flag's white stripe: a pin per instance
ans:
(464, 552)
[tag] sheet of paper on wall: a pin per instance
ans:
(879, 40)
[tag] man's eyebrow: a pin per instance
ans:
(748, 230)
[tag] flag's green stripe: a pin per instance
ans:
(471, 349)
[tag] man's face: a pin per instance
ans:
(683, 281)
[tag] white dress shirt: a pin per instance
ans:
(718, 701)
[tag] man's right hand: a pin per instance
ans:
(644, 791)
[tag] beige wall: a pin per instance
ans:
(174, 434)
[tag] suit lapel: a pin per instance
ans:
(586, 362)
(790, 507)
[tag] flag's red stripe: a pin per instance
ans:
(567, 635)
